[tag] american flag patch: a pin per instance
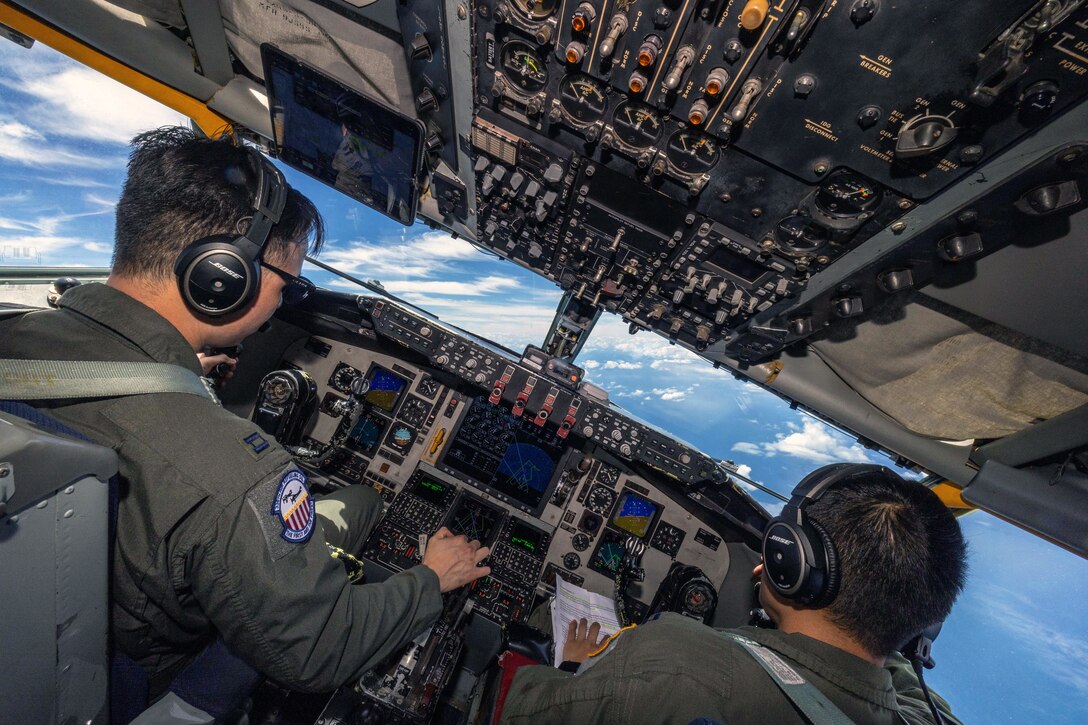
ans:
(294, 506)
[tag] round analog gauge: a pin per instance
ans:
(571, 560)
(600, 500)
(637, 124)
(428, 386)
(692, 152)
(608, 475)
(846, 194)
(697, 598)
(523, 66)
(583, 98)
(401, 438)
(797, 235)
(535, 9)
(580, 542)
(343, 377)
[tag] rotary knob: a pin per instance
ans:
(617, 435)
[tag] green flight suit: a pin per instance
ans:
(199, 550)
(675, 670)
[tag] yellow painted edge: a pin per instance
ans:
(608, 641)
(210, 122)
(951, 496)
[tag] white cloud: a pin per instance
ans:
(622, 365)
(813, 441)
(473, 288)
(590, 364)
(24, 145)
(750, 448)
(425, 255)
(745, 470)
(673, 393)
(1039, 642)
(79, 102)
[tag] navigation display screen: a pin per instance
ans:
(340, 137)
(505, 453)
(366, 434)
(526, 538)
(430, 491)
(385, 389)
(635, 514)
(475, 519)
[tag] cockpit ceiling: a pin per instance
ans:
(920, 243)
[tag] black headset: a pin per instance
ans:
(221, 274)
(798, 556)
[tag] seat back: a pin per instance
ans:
(54, 555)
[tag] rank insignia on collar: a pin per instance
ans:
(294, 507)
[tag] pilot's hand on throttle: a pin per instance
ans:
(582, 640)
(454, 559)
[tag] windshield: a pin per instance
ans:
(1014, 648)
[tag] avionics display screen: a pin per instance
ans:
(475, 519)
(366, 434)
(736, 264)
(505, 453)
(430, 491)
(635, 514)
(340, 137)
(525, 538)
(385, 389)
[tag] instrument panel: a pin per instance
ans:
(446, 445)
(691, 166)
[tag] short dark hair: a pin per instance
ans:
(902, 558)
(182, 187)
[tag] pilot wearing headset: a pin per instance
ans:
(221, 559)
(858, 563)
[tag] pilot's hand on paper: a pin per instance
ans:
(454, 559)
(582, 640)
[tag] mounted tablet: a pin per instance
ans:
(341, 137)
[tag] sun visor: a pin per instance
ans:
(1049, 501)
(944, 373)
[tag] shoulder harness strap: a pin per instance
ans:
(813, 704)
(88, 380)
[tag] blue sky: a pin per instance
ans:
(1015, 647)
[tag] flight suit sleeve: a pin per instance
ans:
(286, 606)
(542, 694)
(633, 681)
(909, 696)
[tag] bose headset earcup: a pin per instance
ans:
(219, 275)
(826, 594)
(798, 555)
(215, 278)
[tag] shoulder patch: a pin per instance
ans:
(256, 445)
(294, 506)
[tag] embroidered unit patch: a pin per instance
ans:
(295, 507)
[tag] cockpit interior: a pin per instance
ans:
(874, 210)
